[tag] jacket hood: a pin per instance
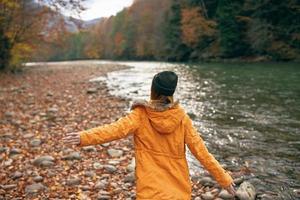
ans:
(164, 118)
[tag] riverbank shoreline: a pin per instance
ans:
(42, 103)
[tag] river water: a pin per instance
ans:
(248, 114)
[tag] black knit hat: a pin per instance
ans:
(164, 83)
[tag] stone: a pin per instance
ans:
(7, 135)
(44, 161)
(131, 166)
(16, 175)
(38, 179)
(89, 148)
(8, 187)
(225, 195)
(85, 187)
(8, 162)
(105, 144)
(97, 165)
(35, 142)
(239, 180)
(114, 162)
(207, 181)
(246, 191)
(91, 90)
(114, 153)
(72, 156)
(52, 110)
(14, 151)
(73, 181)
(101, 185)
(3, 149)
(35, 188)
(130, 177)
(28, 135)
(103, 197)
(207, 196)
(89, 174)
(110, 168)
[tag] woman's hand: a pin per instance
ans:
(72, 138)
(230, 189)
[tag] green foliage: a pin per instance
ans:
(175, 49)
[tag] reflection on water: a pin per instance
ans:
(247, 113)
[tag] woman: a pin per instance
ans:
(161, 131)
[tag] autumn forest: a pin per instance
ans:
(168, 30)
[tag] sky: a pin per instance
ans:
(103, 8)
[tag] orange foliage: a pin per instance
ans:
(194, 26)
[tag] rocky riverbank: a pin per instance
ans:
(40, 105)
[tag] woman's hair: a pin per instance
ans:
(163, 86)
(161, 98)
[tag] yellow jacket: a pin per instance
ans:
(159, 140)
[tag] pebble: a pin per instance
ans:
(103, 197)
(14, 151)
(114, 153)
(105, 144)
(207, 196)
(16, 175)
(34, 188)
(85, 187)
(35, 142)
(8, 162)
(131, 166)
(91, 90)
(130, 178)
(97, 165)
(207, 181)
(110, 168)
(239, 180)
(38, 179)
(246, 191)
(73, 181)
(44, 161)
(28, 135)
(72, 156)
(225, 195)
(8, 187)
(53, 110)
(101, 184)
(266, 197)
(3, 149)
(89, 148)
(114, 162)
(7, 136)
(89, 174)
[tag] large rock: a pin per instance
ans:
(35, 188)
(114, 153)
(246, 191)
(44, 161)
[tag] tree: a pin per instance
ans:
(22, 23)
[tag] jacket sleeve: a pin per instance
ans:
(197, 147)
(116, 130)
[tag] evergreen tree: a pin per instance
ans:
(175, 50)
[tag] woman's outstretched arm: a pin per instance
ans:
(199, 150)
(102, 134)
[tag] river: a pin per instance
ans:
(248, 114)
